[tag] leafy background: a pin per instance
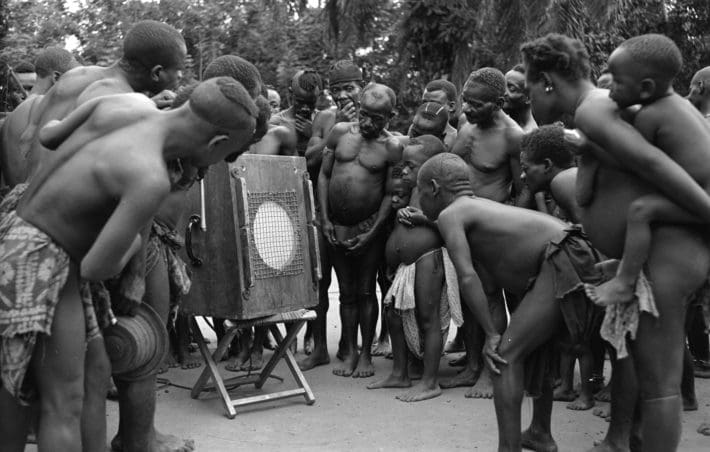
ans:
(400, 43)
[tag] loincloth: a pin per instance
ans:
(343, 232)
(33, 271)
(401, 297)
(571, 260)
(164, 243)
(621, 319)
(12, 198)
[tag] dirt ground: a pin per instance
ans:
(346, 416)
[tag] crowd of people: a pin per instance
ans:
(551, 218)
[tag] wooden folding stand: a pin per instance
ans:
(282, 351)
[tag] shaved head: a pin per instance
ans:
(378, 94)
(430, 145)
(54, 59)
(449, 170)
(224, 103)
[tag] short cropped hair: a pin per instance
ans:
(373, 89)
(556, 53)
(657, 55)
(449, 170)
(24, 67)
(183, 94)
(548, 142)
(430, 144)
(224, 103)
(308, 80)
(397, 170)
(491, 78)
(150, 43)
(344, 71)
(53, 59)
(445, 86)
(239, 69)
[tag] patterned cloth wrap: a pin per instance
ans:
(33, 271)
(164, 243)
(571, 260)
(11, 199)
(401, 296)
(622, 319)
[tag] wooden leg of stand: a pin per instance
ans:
(211, 369)
(282, 346)
(291, 360)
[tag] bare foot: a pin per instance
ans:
(364, 367)
(690, 404)
(603, 412)
(162, 443)
(256, 361)
(347, 368)
(562, 394)
(539, 442)
(701, 368)
(581, 403)
(112, 393)
(453, 347)
(313, 360)
(605, 446)
(704, 429)
(611, 292)
(608, 268)
(466, 377)
(391, 382)
(483, 389)
(460, 361)
(420, 392)
(308, 346)
(235, 365)
(171, 361)
(190, 362)
(604, 395)
(381, 348)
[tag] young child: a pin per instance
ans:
(532, 255)
(643, 69)
(424, 296)
(82, 216)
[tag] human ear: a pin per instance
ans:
(155, 72)
(55, 76)
(547, 163)
(648, 88)
(435, 188)
(216, 140)
(549, 86)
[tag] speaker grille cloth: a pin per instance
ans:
(275, 234)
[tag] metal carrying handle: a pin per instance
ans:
(313, 245)
(193, 221)
(243, 231)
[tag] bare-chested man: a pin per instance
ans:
(354, 210)
(290, 130)
(345, 84)
(69, 230)
(50, 64)
(489, 142)
(517, 101)
(424, 296)
(153, 57)
(530, 254)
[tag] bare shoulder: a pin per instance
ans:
(140, 171)
(597, 106)
(104, 87)
(458, 213)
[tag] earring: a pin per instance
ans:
(549, 89)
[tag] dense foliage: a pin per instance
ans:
(402, 43)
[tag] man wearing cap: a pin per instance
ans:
(345, 83)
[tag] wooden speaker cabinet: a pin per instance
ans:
(251, 241)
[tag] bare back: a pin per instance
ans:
(678, 128)
(12, 160)
(59, 101)
(508, 242)
(407, 244)
(75, 193)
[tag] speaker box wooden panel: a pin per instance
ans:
(258, 253)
